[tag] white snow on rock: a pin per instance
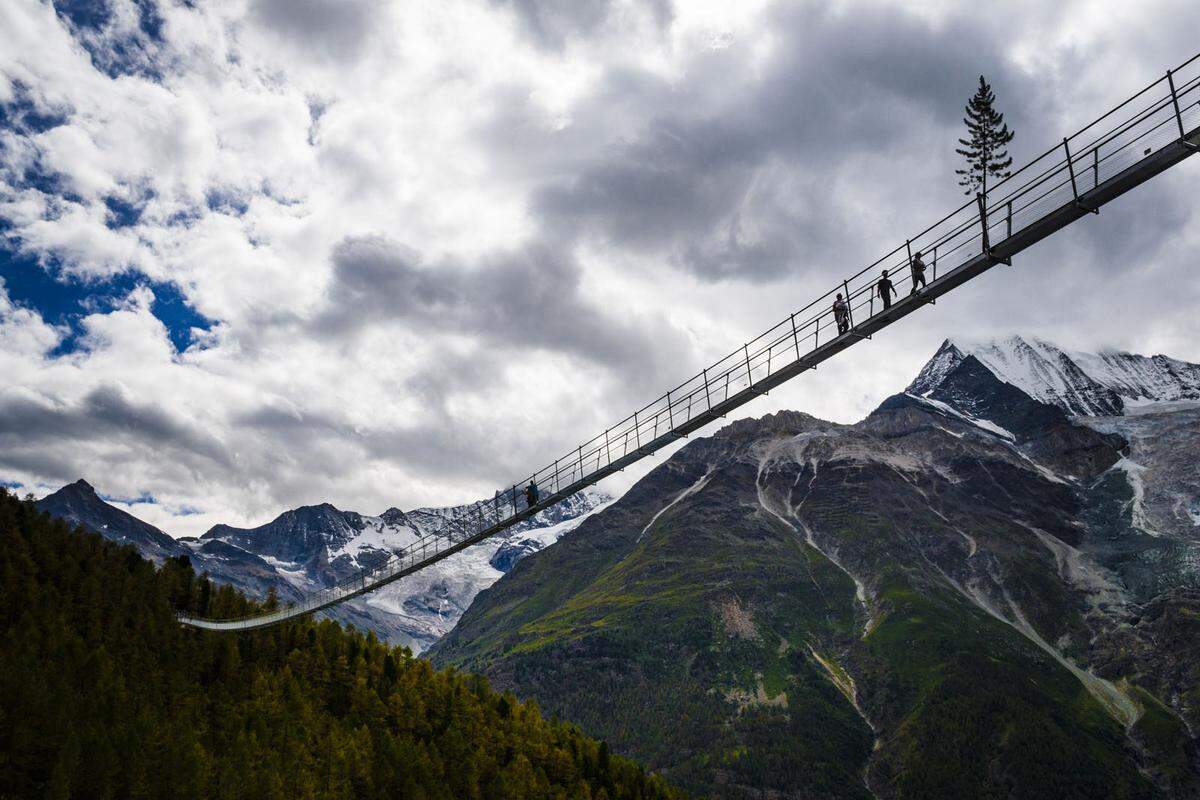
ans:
(295, 574)
(432, 600)
(1142, 380)
(984, 424)
(1094, 384)
(377, 535)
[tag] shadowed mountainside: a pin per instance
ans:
(947, 599)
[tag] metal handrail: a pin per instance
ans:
(963, 241)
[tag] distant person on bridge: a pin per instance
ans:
(886, 289)
(531, 494)
(841, 314)
(918, 272)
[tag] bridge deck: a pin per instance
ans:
(1148, 133)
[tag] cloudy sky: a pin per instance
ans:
(257, 254)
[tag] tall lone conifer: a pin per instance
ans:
(986, 148)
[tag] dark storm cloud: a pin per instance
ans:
(450, 451)
(330, 28)
(457, 373)
(731, 174)
(105, 415)
(1131, 233)
(507, 308)
(34, 459)
(443, 447)
(280, 422)
(529, 300)
(551, 23)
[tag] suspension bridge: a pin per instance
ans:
(1148, 133)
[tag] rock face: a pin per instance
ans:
(79, 504)
(971, 593)
(1079, 383)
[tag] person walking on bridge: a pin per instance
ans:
(531, 494)
(886, 289)
(918, 272)
(841, 314)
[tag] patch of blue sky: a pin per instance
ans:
(122, 213)
(144, 497)
(64, 300)
(114, 56)
(230, 203)
(21, 114)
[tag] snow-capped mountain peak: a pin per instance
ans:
(1090, 384)
(313, 547)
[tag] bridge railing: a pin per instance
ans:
(1061, 175)
(1160, 114)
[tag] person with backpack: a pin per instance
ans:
(918, 272)
(886, 289)
(531, 494)
(841, 314)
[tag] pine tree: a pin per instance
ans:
(986, 150)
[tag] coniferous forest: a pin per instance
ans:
(104, 695)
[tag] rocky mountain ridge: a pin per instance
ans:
(1104, 384)
(970, 593)
(312, 547)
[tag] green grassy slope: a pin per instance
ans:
(717, 646)
(692, 647)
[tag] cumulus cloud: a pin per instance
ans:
(328, 28)
(440, 244)
(739, 180)
(555, 23)
(529, 300)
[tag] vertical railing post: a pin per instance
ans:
(607, 450)
(670, 416)
(987, 245)
(637, 431)
(907, 247)
(1071, 171)
(707, 399)
(849, 305)
(1095, 166)
(557, 484)
(580, 462)
(796, 337)
(1175, 101)
(935, 247)
(1074, 188)
(749, 377)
